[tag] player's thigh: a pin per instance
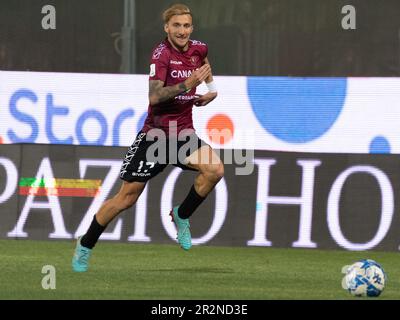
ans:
(205, 159)
(137, 167)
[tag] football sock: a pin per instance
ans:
(93, 234)
(190, 204)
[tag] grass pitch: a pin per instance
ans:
(136, 271)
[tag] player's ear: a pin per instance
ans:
(166, 27)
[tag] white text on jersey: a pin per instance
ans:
(175, 62)
(181, 73)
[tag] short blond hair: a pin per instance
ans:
(176, 9)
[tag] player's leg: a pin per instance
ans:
(125, 198)
(211, 170)
(135, 172)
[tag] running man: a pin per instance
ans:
(178, 66)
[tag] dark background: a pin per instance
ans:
(246, 37)
(360, 202)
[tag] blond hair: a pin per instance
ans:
(176, 9)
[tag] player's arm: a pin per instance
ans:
(210, 78)
(212, 89)
(158, 93)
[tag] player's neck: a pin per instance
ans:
(184, 49)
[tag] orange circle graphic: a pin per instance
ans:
(220, 129)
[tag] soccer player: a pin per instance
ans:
(178, 66)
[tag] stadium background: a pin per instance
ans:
(254, 37)
(262, 52)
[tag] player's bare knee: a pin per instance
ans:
(128, 203)
(124, 202)
(215, 172)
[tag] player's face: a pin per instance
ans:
(179, 29)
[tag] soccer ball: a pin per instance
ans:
(364, 278)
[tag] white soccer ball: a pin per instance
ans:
(364, 278)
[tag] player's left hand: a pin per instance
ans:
(204, 99)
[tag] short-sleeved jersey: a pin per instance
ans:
(172, 67)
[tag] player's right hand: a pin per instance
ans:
(198, 76)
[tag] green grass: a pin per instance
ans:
(136, 271)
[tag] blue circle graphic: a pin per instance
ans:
(297, 110)
(380, 145)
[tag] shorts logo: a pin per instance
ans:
(152, 70)
(145, 173)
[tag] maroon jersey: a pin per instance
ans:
(172, 67)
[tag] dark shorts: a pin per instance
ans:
(146, 158)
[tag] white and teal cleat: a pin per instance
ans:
(80, 260)
(184, 237)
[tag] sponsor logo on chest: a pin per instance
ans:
(181, 73)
